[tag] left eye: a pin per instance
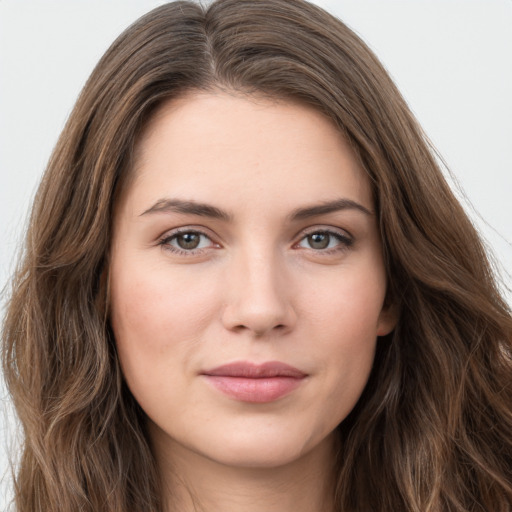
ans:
(321, 240)
(187, 241)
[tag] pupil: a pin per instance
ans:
(318, 240)
(188, 240)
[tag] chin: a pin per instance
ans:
(266, 450)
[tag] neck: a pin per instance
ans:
(193, 483)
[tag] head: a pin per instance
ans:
(288, 54)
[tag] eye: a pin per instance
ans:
(323, 240)
(186, 241)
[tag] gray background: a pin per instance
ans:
(452, 60)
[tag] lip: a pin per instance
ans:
(255, 383)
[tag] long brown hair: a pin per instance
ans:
(433, 429)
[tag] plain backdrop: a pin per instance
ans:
(452, 60)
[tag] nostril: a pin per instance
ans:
(261, 332)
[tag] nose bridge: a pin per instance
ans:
(258, 298)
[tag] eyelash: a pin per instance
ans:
(345, 241)
(165, 242)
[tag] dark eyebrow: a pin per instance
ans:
(206, 210)
(328, 207)
(187, 207)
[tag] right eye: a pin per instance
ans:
(186, 242)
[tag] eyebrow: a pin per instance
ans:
(187, 207)
(328, 207)
(207, 210)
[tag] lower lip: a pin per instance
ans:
(260, 390)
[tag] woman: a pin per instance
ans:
(247, 286)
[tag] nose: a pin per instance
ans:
(258, 297)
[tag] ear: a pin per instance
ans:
(388, 318)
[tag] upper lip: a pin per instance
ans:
(250, 370)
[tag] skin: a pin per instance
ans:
(259, 287)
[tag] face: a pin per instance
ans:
(247, 279)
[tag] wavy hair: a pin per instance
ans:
(432, 431)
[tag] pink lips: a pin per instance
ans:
(256, 383)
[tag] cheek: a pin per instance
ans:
(347, 303)
(344, 320)
(157, 319)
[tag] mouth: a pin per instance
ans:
(255, 383)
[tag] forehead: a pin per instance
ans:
(206, 146)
